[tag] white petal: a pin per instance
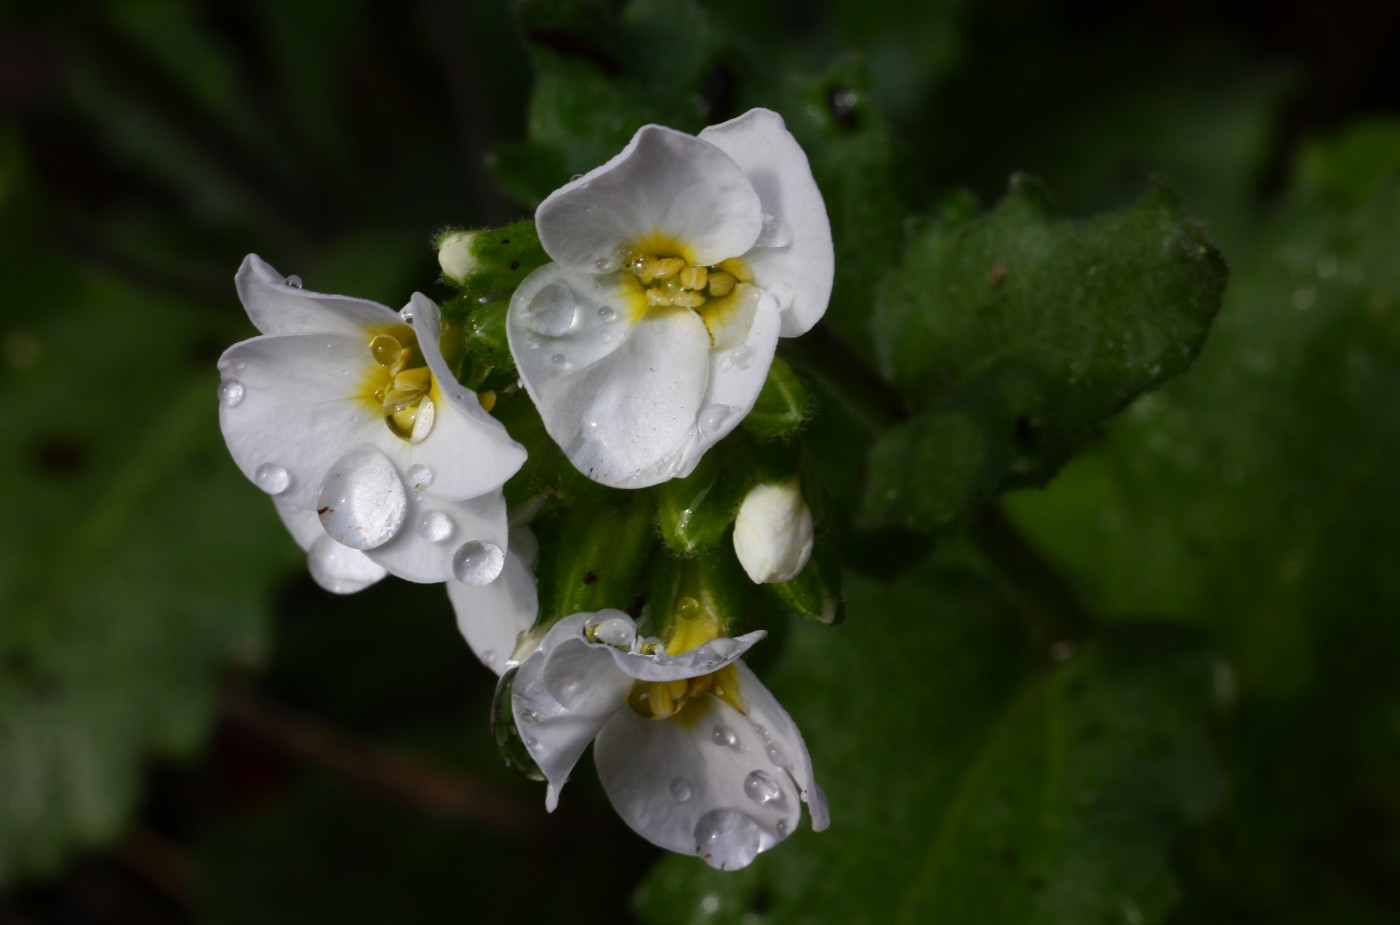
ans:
(625, 419)
(561, 321)
(435, 530)
(664, 182)
(278, 308)
(298, 413)
(783, 741)
(362, 501)
(701, 785)
(491, 617)
(798, 273)
(336, 568)
(468, 451)
(710, 657)
(773, 532)
(554, 735)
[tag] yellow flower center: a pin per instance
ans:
(661, 276)
(691, 629)
(399, 384)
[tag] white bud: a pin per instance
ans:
(455, 255)
(773, 532)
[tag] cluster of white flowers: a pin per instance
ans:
(676, 267)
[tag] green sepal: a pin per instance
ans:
(547, 472)
(711, 584)
(783, 406)
(593, 555)
(694, 512)
(506, 734)
(815, 594)
(499, 259)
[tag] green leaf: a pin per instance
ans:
(965, 785)
(1017, 334)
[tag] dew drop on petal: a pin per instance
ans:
(613, 631)
(419, 476)
(761, 788)
(741, 356)
(362, 502)
(436, 526)
(558, 359)
(423, 420)
(272, 478)
(230, 392)
(782, 828)
(294, 281)
(777, 756)
(713, 418)
(727, 839)
(607, 313)
(478, 562)
(782, 294)
(723, 736)
(604, 264)
(715, 652)
(681, 789)
(551, 311)
(775, 232)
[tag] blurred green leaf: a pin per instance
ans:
(1016, 335)
(965, 785)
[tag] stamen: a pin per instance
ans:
(694, 277)
(721, 284)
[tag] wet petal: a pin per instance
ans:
(336, 568)
(710, 657)
(664, 183)
(434, 532)
(784, 745)
(299, 412)
(491, 617)
(362, 500)
(798, 272)
(555, 735)
(701, 785)
(468, 451)
(625, 418)
(278, 308)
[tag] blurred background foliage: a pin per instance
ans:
(1160, 689)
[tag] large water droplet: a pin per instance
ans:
(362, 502)
(419, 476)
(294, 281)
(423, 420)
(715, 652)
(272, 478)
(681, 789)
(617, 631)
(231, 392)
(777, 756)
(552, 311)
(761, 788)
(478, 562)
(741, 356)
(436, 526)
(723, 736)
(775, 232)
(727, 839)
(713, 418)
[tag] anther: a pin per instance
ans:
(721, 283)
(694, 277)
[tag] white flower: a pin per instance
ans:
(343, 410)
(693, 751)
(773, 532)
(492, 617)
(677, 265)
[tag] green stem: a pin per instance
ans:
(1056, 619)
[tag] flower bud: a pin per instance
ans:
(455, 255)
(773, 533)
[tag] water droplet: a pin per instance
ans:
(650, 645)
(558, 359)
(478, 562)
(782, 828)
(761, 788)
(727, 839)
(406, 313)
(362, 502)
(775, 232)
(294, 281)
(777, 756)
(528, 717)
(272, 478)
(604, 264)
(230, 392)
(782, 294)
(681, 789)
(607, 313)
(419, 476)
(551, 311)
(423, 420)
(716, 651)
(575, 178)
(742, 356)
(616, 630)
(436, 526)
(713, 418)
(723, 736)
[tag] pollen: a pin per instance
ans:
(666, 279)
(398, 383)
